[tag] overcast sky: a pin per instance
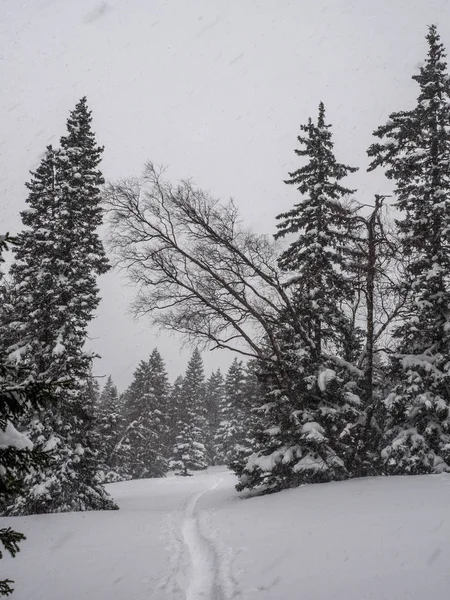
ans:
(216, 90)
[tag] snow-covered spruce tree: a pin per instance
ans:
(109, 428)
(58, 258)
(415, 152)
(214, 393)
(322, 226)
(303, 432)
(232, 435)
(145, 422)
(189, 452)
(18, 391)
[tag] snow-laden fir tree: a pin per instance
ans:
(145, 420)
(322, 225)
(109, 427)
(18, 391)
(214, 393)
(232, 437)
(189, 452)
(301, 434)
(414, 149)
(303, 430)
(58, 259)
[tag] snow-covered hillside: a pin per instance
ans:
(196, 538)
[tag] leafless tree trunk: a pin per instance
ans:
(384, 300)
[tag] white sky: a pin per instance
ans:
(216, 90)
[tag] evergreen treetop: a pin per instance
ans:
(322, 225)
(415, 152)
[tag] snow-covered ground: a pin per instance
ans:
(197, 539)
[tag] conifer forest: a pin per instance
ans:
(334, 321)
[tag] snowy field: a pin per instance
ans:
(197, 539)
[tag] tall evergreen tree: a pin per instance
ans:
(302, 431)
(322, 225)
(214, 394)
(415, 151)
(189, 451)
(145, 423)
(58, 259)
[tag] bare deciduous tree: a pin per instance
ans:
(198, 271)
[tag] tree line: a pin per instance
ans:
(341, 312)
(344, 309)
(154, 427)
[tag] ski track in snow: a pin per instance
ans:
(225, 558)
(171, 583)
(204, 581)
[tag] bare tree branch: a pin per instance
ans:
(197, 270)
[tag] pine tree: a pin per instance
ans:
(58, 258)
(214, 393)
(146, 426)
(189, 451)
(415, 151)
(315, 260)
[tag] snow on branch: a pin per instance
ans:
(10, 437)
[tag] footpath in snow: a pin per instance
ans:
(195, 538)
